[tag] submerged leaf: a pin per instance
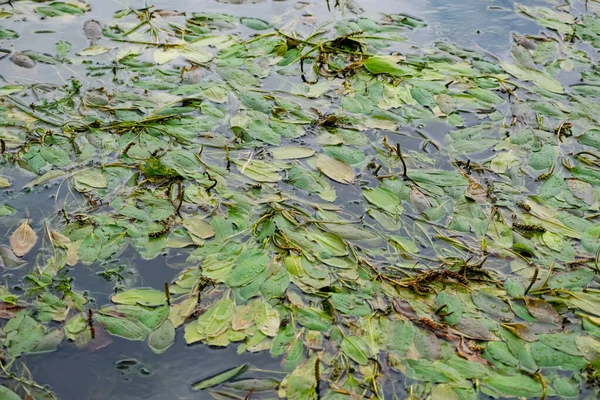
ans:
(23, 239)
(220, 378)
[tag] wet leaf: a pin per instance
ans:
(89, 179)
(573, 279)
(290, 152)
(198, 227)
(335, 169)
(492, 305)
(255, 24)
(144, 297)
(23, 239)
(515, 385)
(162, 337)
(355, 348)
(8, 259)
(23, 334)
(220, 378)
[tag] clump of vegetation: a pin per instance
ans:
(320, 221)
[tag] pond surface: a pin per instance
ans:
(299, 199)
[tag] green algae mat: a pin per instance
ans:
(320, 213)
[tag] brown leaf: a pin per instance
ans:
(335, 169)
(542, 311)
(73, 253)
(418, 200)
(521, 330)
(60, 239)
(23, 239)
(476, 192)
(8, 311)
(474, 329)
(469, 354)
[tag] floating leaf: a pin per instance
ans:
(7, 394)
(144, 297)
(290, 152)
(334, 169)
(123, 327)
(515, 385)
(89, 179)
(198, 227)
(220, 378)
(355, 348)
(255, 23)
(162, 337)
(23, 334)
(23, 239)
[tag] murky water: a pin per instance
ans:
(78, 374)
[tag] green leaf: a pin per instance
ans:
(546, 356)
(249, 266)
(220, 378)
(282, 340)
(7, 394)
(355, 348)
(492, 305)
(62, 48)
(8, 34)
(162, 337)
(452, 308)
(144, 297)
(238, 76)
(184, 162)
(485, 95)
(561, 341)
(122, 327)
(216, 319)
(515, 385)
(538, 78)
(345, 154)
(198, 227)
(544, 158)
(255, 101)
(590, 138)
(577, 278)
(259, 130)
(291, 152)
(256, 24)
(513, 287)
(386, 65)
(23, 334)
(383, 199)
(260, 171)
(89, 179)
(423, 97)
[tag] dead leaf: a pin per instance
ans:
(521, 330)
(73, 253)
(8, 311)
(60, 239)
(476, 192)
(418, 200)
(542, 311)
(23, 239)
(335, 169)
